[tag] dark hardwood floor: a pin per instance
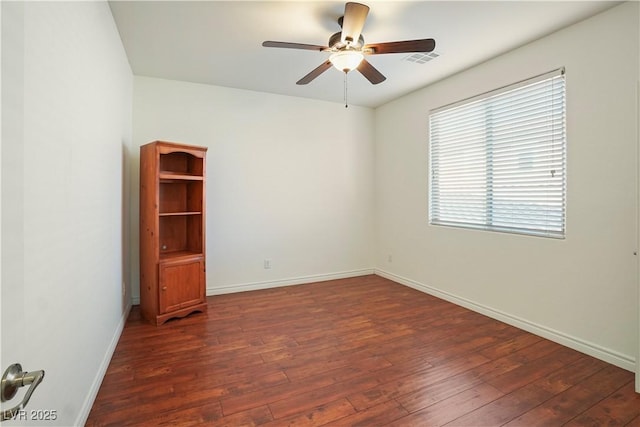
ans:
(361, 351)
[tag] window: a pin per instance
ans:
(497, 160)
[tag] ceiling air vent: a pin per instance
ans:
(421, 58)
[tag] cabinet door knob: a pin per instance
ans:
(164, 288)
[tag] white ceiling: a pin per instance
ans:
(219, 42)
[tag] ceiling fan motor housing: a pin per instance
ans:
(336, 43)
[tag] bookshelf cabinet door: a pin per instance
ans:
(181, 285)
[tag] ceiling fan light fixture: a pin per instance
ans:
(348, 48)
(346, 60)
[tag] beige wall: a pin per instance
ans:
(288, 179)
(581, 291)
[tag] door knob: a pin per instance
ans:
(14, 378)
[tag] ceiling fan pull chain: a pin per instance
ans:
(346, 105)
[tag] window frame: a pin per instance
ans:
(555, 228)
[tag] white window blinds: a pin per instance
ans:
(497, 161)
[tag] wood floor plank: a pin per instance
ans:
(576, 400)
(435, 384)
(514, 404)
(571, 374)
(304, 401)
(358, 351)
(318, 416)
(520, 341)
(634, 422)
(534, 370)
(190, 417)
(252, 417)
(261, 397)
(505, 408)
(378, 415)
(453, 407)
(436, 392)
(619, 409)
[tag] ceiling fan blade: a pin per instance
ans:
(315, 73)
(370, 72)
(288, 45)
(353, 21)
(422, 45)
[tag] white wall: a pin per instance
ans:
(581, 291)
(66, 113)
(288, 179)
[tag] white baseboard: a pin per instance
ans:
(610, 356)
(102, 370)
(254, 286)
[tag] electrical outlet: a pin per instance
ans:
(267, 264)
(124, 289)
(389, 258)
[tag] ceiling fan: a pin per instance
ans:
(348, 49)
